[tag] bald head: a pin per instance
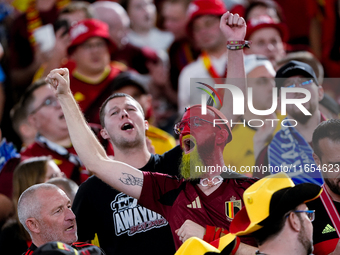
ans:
(115, 16)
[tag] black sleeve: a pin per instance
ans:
(169, 162)
(82, 207)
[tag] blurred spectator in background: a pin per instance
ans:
(328, 105)
(26, 54)
(143, 32)
(267, 38)
(182, 51)
(295, 134)
(68, 16)
(256, 8)
(75, 11)
(175, 18)
(204, 26)
(92, 73)
(68, 186)
(326, 43)
(45, 114)
(14, 239)
(132, 84)
(303, 31)
(114, 15)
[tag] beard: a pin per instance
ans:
(190, 163)
(123, 143)
(50, 235)
(193, 166)
(303, 239)
(333, 185)
(299, 116)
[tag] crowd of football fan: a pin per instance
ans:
(108, 108)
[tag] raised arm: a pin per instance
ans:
(234, 29)
(117, 174)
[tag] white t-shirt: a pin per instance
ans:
(155, 39)
(187, 96)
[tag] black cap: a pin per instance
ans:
(293, 68)
(59, 248)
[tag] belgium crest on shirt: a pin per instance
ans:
(232, 207)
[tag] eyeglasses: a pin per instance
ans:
(193, 122)
(50, 101)
(301, 84)
(310, 213)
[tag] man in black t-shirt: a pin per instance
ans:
(111, 219)
(326, 144)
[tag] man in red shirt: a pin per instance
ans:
(45, 114)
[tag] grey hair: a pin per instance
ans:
(29, 206)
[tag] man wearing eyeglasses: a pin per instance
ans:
(326, 144)
(277, 216)
(207, 202)
(291, 146)
(43, 112)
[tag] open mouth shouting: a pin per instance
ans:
(127, 126)
(188, 143)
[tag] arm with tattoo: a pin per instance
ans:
(129, 179)
(120, 176)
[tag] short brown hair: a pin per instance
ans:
(27, 99)
(115, 95)
(327, 129)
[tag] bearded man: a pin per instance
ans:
(291, 146)
(326, 144)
